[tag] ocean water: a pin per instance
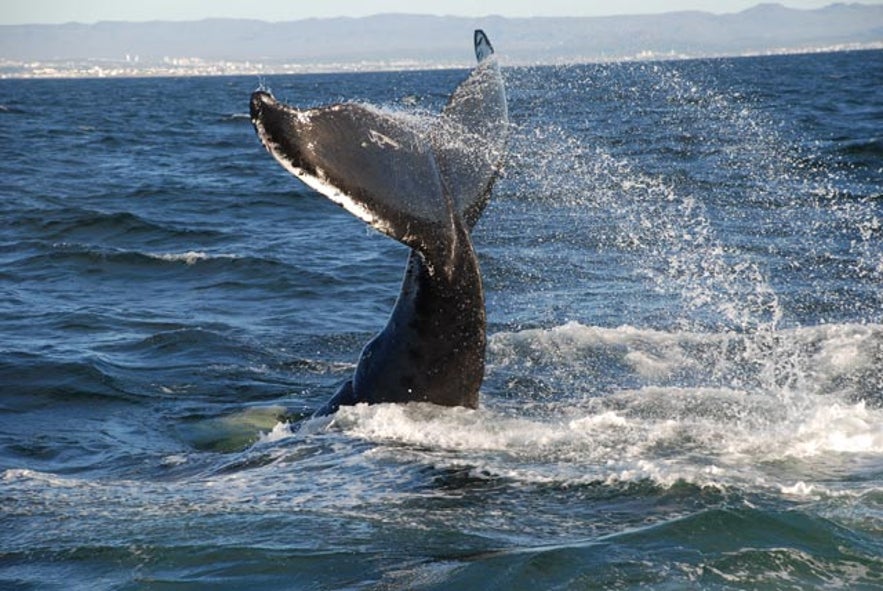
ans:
(684, 275)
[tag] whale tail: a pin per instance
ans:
(409, 182)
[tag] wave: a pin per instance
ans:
(817, 433)
(659, 437)
(190, 257)
(29, 380)
(77, 224)
(871, 147)
(119, 264)
(236, 118)
(726, 545)
(760, 549)
(12, 110)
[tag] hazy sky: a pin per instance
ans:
(89, 11)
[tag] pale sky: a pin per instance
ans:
(90, 11)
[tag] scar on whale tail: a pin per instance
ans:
(425, 186)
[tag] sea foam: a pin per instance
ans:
(813, 414)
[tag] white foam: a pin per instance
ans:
(649, 352)
(175, 460)
(799, 489)
(845, 348)
(190, 257)
(433, 426)
(279, 432)
(12, 476)
(607, 447)
(838, 428)
(797, 419)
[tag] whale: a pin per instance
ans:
(424, 181)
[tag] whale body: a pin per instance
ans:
(425, 185)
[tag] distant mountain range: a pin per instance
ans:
(428, 41)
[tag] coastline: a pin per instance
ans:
(193, 66)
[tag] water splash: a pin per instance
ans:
(674, 216)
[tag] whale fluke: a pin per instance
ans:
(425, 186)
(471, 136)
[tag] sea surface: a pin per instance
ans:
(684, 273)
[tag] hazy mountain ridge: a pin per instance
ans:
(432, 40)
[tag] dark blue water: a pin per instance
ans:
(684, 274)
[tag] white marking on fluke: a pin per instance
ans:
(383, 141)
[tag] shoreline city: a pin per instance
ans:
(133, 67)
